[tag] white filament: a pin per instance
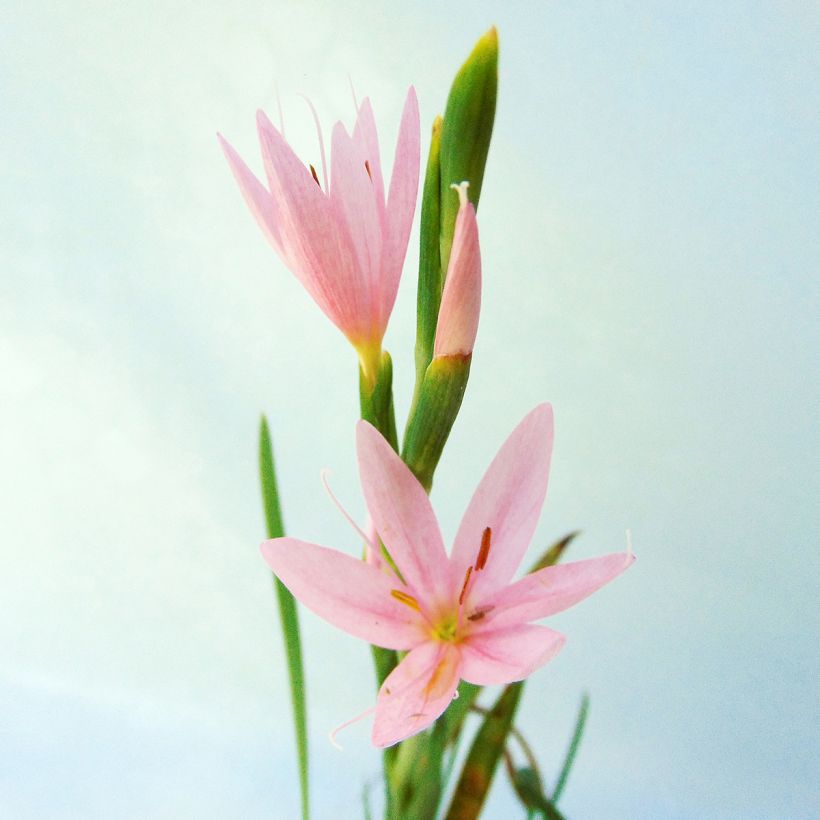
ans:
(461, 187)
(349, 518)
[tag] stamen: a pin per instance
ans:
(367, 168)
(406, 599)
(461, 187)
(484, 549)
(347, 723)
(315, 175)
(324, 474)
(464, 586)
(480, 613)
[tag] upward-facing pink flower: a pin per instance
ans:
(458, 617)
(343, 240)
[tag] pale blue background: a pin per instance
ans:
(650, 235)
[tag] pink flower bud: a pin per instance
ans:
(461, 301)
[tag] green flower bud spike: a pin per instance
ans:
(445, 380)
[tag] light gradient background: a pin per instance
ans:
(650, 237)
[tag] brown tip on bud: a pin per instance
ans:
(367, 168)
(315, 175)
(464, 586)
(484, 549)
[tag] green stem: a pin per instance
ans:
(287, 611)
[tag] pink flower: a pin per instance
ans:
(458, 617)
(344, 242)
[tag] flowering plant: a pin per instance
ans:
(442, 625)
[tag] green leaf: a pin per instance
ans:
(466, 133)
(287, 611)
(554, 553)
(482, 759)
(577, 734)
(435, 412)
(528, 788)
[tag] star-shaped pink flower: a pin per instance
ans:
(457, 617)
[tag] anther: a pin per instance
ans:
(480, 613)
(484, 549)
(406, 599)
(315, 175)
(464, 586)
(367, 168)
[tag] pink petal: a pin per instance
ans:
(354, 200)
(508, 500)
(257, 196)
(348, 593)
(554, 589)
(461, 301)
(401, 201)
(416, 692)
(509, 654)
(402, 516)
(319, 247)
(367, 138)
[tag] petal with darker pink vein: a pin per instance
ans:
(497, 656)
(256, 195)
(554, 589)
(401, 200)
(508, 500)
(402, 515)
(416, 692)
(319, 247)
(349, 593)
(367, 139)
(354, 201)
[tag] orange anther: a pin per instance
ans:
(484, 549)
(406, 599)
(464, 586)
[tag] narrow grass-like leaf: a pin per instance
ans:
(482, 759)
(287, 611)
(577, 734)
(527, 786)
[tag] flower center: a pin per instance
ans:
(447, 629)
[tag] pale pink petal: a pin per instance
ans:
(508, 500)
(367, 138)
(349, 593)
(354, 202)
(554, 589)
(401, 201)
(416, 692)
(461, 301)
(509, 654)
(320, 249)
(256, 195)
(403, 516)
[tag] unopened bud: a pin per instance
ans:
(461, 301)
